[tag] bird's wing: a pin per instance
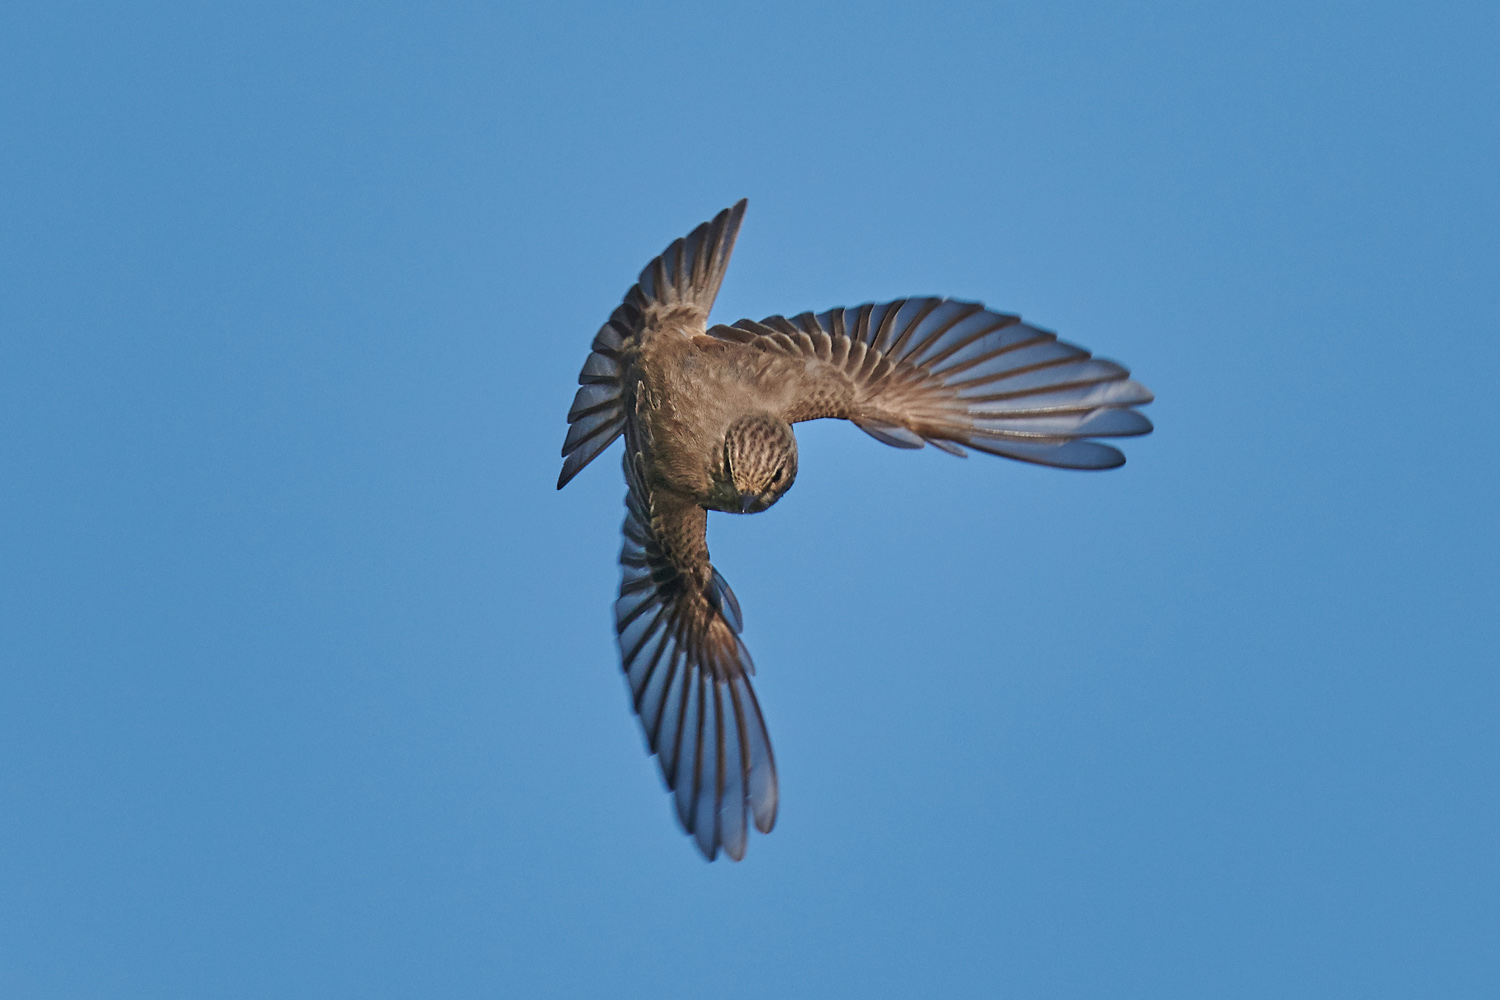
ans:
(950, 373)
(674, 293)
(678, 625)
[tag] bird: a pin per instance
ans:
(706, 413)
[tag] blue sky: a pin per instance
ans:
(307, 681)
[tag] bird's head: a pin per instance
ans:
(759, 464)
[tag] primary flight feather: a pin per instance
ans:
(706, 413)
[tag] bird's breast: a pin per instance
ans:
(695, 396)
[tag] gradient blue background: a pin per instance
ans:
(308, 683)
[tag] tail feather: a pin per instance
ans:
(688, 273)
(597, 415)
(679, 286)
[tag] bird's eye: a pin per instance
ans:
(777, 477)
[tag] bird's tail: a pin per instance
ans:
(676, 291)
(687, 275)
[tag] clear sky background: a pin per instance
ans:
(308, 684)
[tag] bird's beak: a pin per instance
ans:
(747, 501)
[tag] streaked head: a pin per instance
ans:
(760, 463)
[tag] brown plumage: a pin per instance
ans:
(706, 414)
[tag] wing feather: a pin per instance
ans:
(678, 625)
(954, 374)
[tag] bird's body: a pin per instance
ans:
(695, 388)
(706, 413)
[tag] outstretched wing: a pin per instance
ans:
(675, 292)
(678, 625)
(950, 373)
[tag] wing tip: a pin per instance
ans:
(1117, 462)
(1081, 454)
(1107, 457)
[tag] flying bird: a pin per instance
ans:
(707, 415)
